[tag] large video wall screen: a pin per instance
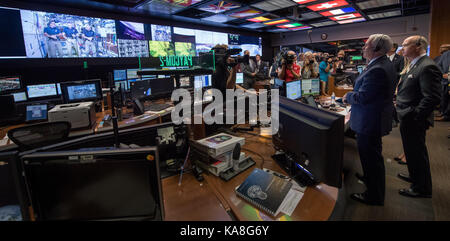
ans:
(34, 34)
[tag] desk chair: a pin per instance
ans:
(37, 135)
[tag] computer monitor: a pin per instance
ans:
(140, 89)
(310, 87)
(239, 78)
(58, 88)
(20, 96)
(95, 184)
(80, 91)
(132, 74)
(36, 112)
(123, 84)
(185, 81)
(120, 74)
(156, 88)
(313, 141)
(360, 68)
(201, 81)
(42, 90)
(294, 90)
(10, 84)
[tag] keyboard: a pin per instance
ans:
(157, 107)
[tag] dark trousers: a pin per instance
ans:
(372, 162)
(413, 137)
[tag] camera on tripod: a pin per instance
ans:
(223, 54)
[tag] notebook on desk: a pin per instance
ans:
(264, 190)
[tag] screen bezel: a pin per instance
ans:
(35, 120)
(65, 93)
(12, 90)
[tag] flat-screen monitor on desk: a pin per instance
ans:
(79, 91)
(239, 78)
(42, 90)
(20, 96)
(313, 140)
(9, 84)
(36, 112)
(152, 88)
(112, 184)
(185, 81)
(201, 81)
(294, 90)
(310, 86)
(360, 68)
(120, 74)
(132, 74)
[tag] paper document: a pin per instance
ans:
(291, 201)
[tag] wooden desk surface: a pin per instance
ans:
(209, 201)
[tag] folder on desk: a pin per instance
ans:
(264, 190)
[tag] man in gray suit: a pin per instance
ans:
(417, 96)
(249, 71)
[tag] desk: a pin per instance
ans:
(148, 118)
(317, 203)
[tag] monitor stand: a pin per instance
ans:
(243, 165)
(296, 173)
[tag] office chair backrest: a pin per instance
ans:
(42, 134)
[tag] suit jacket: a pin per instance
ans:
(371, 99)
(444, 63)
(419, 91)
(248, 70)
(399, 63)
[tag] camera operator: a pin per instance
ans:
(225, 75)
(339, 63)
(248, 68)
(290, 71)
(310, 66)
(324, 71)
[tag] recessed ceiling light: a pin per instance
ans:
(321, 24)
(291, 25)
(328, 5)
(300, 28)
(346, 16)
(377, 3)
(272, 5)
(352, 20)
(218, 18)
(385, 15)
(280, 21)
(259, 19)
(338, 11)
(218, 7)
(304, 1)
(245, 13)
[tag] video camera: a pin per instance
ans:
(283, 55)
(222, 54)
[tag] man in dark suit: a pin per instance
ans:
(371, 116)
(398, 62)
(417, 95)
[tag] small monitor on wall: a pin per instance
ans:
(36, 112)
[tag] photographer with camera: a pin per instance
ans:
(290, 71)
(339, 62)
(225, 75)
(310, 66)
(324, 72)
